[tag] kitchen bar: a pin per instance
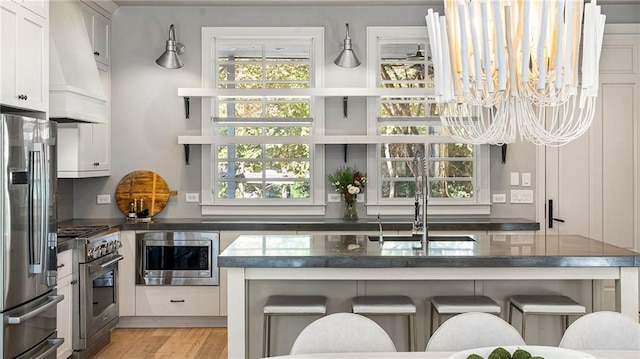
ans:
(338, 258)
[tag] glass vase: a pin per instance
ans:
(350, 212)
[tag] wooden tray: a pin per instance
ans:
(147, 186)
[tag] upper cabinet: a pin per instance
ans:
(24, 59)
(40, 7)
(98, 29)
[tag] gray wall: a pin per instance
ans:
(148, 116)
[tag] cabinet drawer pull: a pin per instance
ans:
(177, 300)
(96, 53)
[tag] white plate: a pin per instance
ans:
(545, 352)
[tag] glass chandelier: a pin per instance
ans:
(507, 66)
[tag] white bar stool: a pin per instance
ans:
(460, 304)
(544, 304)
(289, 305)
(388, 305)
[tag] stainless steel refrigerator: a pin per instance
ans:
(28, 243)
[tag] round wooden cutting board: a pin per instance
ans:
(146, 186)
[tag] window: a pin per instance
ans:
(262, 158)
(457, 173)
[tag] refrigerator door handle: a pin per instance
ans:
(52, 301)
(35, 220)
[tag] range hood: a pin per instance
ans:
(75, 89)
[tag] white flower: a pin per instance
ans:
(353, 189)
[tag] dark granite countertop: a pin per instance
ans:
(272, 223)
(342, 251)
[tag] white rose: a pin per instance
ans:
(353, 189)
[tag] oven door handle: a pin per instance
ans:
(52, 300)
(97, 267)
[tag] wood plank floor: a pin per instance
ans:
(166, 343)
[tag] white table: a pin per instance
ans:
(600, 354)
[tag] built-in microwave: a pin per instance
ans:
(177, 258)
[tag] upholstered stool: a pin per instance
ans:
(389, 305)
(460, 304)
(289, 305)
(544, 304)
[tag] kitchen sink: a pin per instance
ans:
(418, 238)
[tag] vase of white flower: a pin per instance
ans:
(349, 182)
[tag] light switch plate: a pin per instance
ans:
(333, 197)
(103, 199)
(521, 196)
(526, 179)
(515, 178)
(192, 197)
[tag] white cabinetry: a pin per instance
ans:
(177, 301)
(98, 26)
(65, 308)
(24, 57)
(84, 150)
(127, 267)
(40, 7)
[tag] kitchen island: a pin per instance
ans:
(341, 266)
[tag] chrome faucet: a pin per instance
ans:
(421, 180)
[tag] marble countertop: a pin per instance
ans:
(348, 251)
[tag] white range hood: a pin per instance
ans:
(75, 88)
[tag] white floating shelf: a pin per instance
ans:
(320, 140)
(307, 92)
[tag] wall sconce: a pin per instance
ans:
(347, 57)
(169, 58)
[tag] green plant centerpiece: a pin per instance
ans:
(349, 182)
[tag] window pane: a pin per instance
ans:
(442, 169)
(397, 189)
(288, 151)
(451, 189)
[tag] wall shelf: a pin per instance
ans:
(310, 92)
(318, 140)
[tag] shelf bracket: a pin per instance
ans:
(345, 104)
(186, 109)
(186, 153)
(504, 153)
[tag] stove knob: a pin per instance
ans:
(103, 249)
(90, 253)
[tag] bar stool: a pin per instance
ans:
(460, 304)
(388, 305)
(289, 305)
(544, 304)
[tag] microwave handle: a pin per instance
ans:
(97, 267)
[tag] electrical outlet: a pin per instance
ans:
(333, 197)
(515, 178)
(103, 199)
(192, 197)
(499, 198)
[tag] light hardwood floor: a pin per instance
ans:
(166, 343)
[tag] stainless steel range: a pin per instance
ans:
(96, 259)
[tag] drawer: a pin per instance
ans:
(65, 263)
(177, 301)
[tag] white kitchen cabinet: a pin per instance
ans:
(177, 300)
(24, 59)
(127, 273)
(64, 318)
(98, 28)
(40, 7)
(84, 150)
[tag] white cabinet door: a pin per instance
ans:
(127, 267)
(25, 54)
(64, 318)
(40, 7)
(83, 150)
(98, 27)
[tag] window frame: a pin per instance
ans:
(314, 205)
(376, 204)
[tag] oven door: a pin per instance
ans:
(178, 262)
(98, 294)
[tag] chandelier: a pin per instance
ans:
(507, 66)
